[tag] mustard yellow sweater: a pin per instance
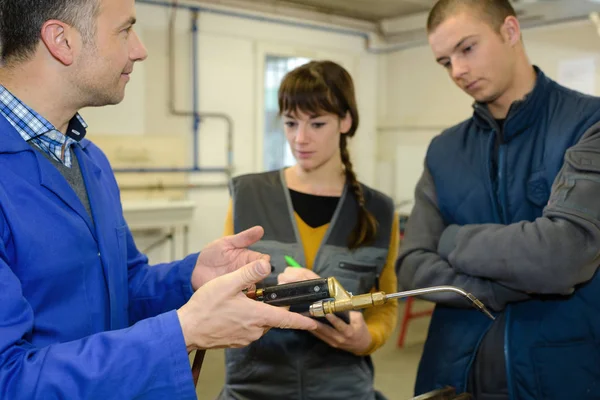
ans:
(381, 320)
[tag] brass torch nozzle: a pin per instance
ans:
(344, 301)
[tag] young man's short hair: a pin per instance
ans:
(494, 11)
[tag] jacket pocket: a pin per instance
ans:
(577, 186)
(122, 244)
(584, 159)
(570, 371)
(538, 190)
(120, 270)
(357, 277)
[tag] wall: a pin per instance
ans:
(405, 99)
(231, 52)
(421, 100)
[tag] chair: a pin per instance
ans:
(408, 316)
(409, 302)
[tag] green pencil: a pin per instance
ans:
(291, 262)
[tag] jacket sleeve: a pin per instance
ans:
(419, 265)
(155, 289)
(147, 360)
(552, 254)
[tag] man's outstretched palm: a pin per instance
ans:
(227, 255)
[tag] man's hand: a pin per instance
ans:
(353, 337)
(219, 315)
(226, 255)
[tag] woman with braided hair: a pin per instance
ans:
(320, 214)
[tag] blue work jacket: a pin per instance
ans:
(82, 314)
(552, 342)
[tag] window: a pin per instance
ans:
(277, 153)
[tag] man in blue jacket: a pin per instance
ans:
(82, 314)
(507, 208)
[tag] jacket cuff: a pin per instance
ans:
(447, 242)
(186, 269)
(174, 344)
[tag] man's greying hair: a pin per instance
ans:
(494, 11)
(21, 23)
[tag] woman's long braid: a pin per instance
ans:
(366, 225)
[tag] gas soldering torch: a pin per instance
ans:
(327, 296)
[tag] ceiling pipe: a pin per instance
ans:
(196, 115)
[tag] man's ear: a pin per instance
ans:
(511, 30)
(346, 123)
(60, 40)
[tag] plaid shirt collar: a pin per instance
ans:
(35, 129)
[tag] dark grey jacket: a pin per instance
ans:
(295, 365)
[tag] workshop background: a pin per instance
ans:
(203, 108)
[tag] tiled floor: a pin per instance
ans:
(395, 369)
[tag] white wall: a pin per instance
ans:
(230, 81)
(421, 100)
(405, 98)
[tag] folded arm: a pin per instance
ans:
(155, 289)
(420, 265)
(552, 254)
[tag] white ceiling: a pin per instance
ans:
(402, 22)
(377, 10)
(370, 10)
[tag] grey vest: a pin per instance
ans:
(286, 364)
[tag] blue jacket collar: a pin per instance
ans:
(522, 113)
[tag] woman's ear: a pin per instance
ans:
(346, 123)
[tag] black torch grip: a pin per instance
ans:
(303, 292)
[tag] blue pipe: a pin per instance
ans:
(195, 106)
(195, 80)
(195, 113)
(278, 21)
(317, 27)
(170, 5)
(168, 169)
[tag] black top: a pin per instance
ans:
(314, 210)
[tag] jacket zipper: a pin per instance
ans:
(501, 182)
(500, 205)
(509, 382)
